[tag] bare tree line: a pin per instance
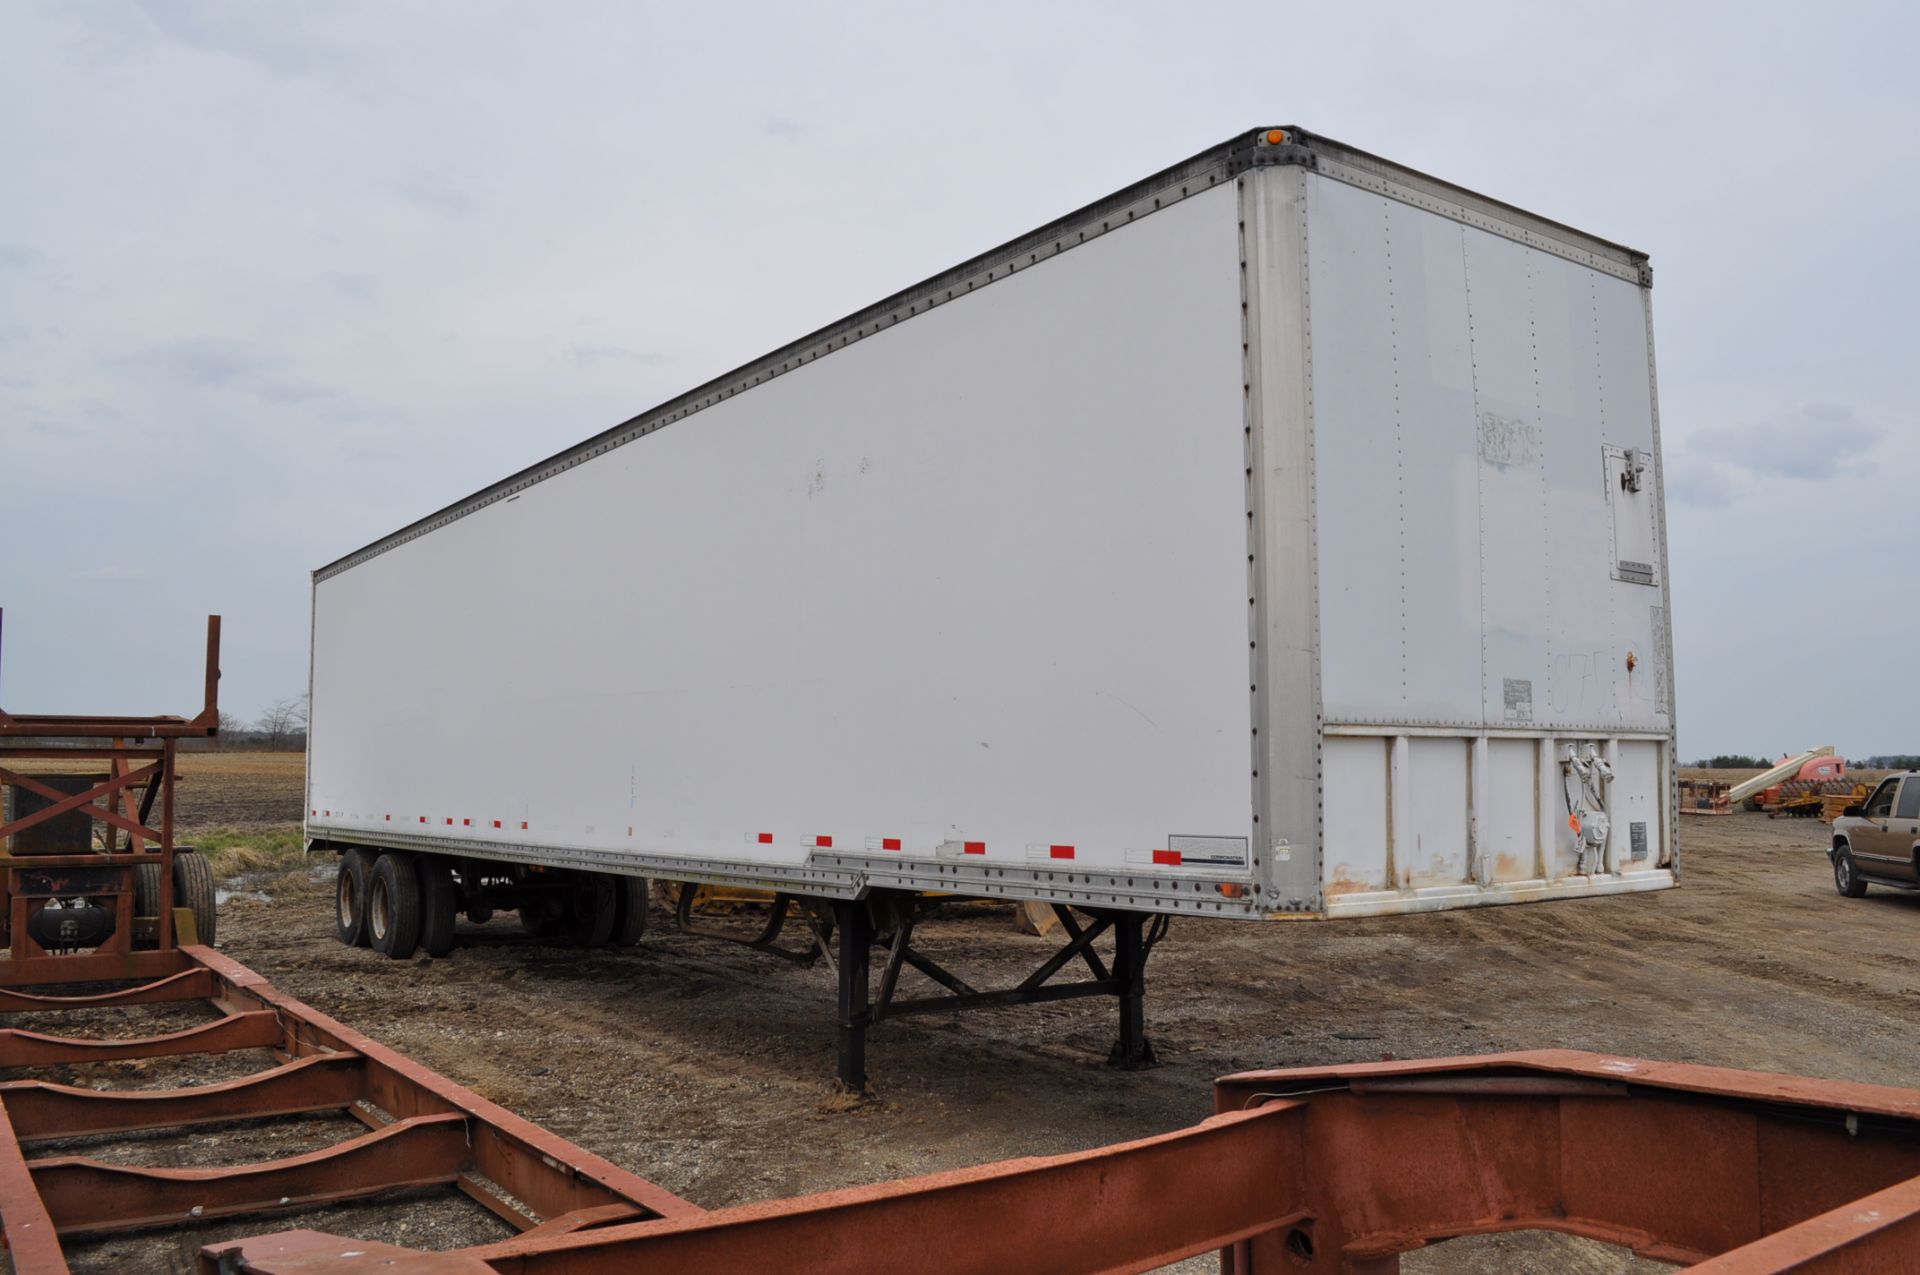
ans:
(281, 727)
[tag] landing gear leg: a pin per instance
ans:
(854, 930)
(1132, 1052)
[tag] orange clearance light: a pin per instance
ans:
(1275, 136)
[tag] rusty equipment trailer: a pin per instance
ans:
(423, 1130)
(1336, 1169)
(73, 911)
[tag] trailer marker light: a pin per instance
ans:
(449, 821)
(496, 823)
(523, 825)
(423, 818)
(1232, 889)
(1276, 136)
(1167, 858)
(466, 823)
(974, 847)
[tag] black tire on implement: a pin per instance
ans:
(630, 916)
(193, 890)
(350, 897)
(439, 906)
(393, 906)
(146, 900)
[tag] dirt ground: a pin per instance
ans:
(707, 1067)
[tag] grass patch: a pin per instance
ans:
(231, 853)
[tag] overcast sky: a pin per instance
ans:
(276, 279)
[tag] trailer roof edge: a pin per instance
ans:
(1256, 148)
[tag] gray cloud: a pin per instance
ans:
(1814, 443)
(358, 287)
(204, 362)
(1703, 486)
(16, 257)
(589, 355)
(435, 192)
(273, 38)
(783, 128)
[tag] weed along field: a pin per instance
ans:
(707, 1066)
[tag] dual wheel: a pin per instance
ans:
(398, 903)
(192, 889)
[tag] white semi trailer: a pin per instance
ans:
(1281, 537)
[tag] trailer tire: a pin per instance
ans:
(350, 897)
(439, 907)
(630, 916)
(193, 890)
(596, 909)
(393, 906)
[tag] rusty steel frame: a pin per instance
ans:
(422, 1130)
(1337, 1169)
(142, 759)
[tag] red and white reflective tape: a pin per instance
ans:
(1158, 858)
(885, 843)
(821, 843)
(1049, 852)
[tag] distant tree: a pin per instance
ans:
(284, 722)
(1736, 761)
(230, 729)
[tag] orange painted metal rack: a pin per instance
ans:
(74, 911)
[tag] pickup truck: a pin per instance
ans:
(1878, 840)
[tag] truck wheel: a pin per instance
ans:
(439, 906)
(193, 890)
(1846, 878)
(630, 914)
(393, 906)
(350, 897)
(593, 909)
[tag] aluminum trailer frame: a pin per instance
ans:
(1335, 1170)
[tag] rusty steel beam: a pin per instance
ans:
(41, 1110)
(250, 1030)
(514, 1152)
(1332, 1170)
(86, 1196)
(187, 985)
(32, 1241)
